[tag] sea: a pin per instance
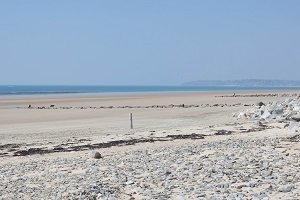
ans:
(84, 89)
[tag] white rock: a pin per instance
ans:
(266, 114)
(241, 115)
(285, 188)
(129, 182)
(296, 109)
(293, 127)
(277, 110)
(298, 175)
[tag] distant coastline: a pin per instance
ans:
(245, 83)
(45, 90)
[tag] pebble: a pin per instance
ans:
(96, 155)
(234, 170)
(285, 188)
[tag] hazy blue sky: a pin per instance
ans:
(153, 42)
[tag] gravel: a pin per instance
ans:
(227, 169)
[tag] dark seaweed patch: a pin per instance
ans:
(33, 151)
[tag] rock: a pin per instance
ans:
(260, 104)
(96, 155)
(296, 117)
(296, 108)
(298, 176)
(285, 188)
(252, 183)
(289, 178)
(241, 185)
(129, 182)
(277, 110)
(281, 112)
(224, 185)
(264, 198)
(293, 127)
(266, 114)
(241, 115)
(201, 195)
(266, 173)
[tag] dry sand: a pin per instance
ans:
(43, 125)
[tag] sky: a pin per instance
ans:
(147, 42)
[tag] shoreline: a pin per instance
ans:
(146, 93)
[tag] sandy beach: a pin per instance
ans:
(180, 144)
(150, 100)
(99, 115)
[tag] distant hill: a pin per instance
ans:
(246, 83)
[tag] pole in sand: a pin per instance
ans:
(131, 123)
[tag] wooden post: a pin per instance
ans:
(131, 123)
